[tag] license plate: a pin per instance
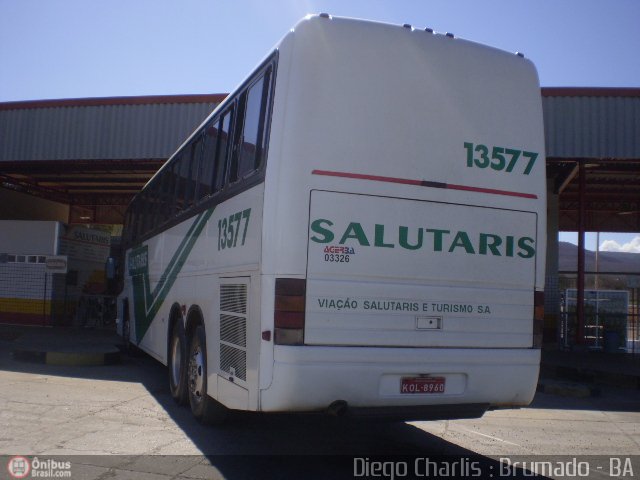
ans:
(422, 385)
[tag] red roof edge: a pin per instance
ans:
(106, 101)
(590, 92)
(219, 97)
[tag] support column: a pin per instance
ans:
(581, 247)
(551, 285)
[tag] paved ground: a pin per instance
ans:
(552, 425)
(126, 409)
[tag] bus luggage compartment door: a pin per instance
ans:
(396, 272)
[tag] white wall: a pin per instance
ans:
(28, 237)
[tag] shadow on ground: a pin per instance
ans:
(282, 446)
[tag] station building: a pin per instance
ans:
(75, 164)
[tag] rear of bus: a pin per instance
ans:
(404, 225)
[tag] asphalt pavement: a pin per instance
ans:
(119, 421)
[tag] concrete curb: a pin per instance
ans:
(107, 356)
(567, 389)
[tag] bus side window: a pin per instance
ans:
(234, 152)
(249, 150)
(165, 195)
(250, 147)
(222, 151)
(175, 169)
(195, 150)
(138, 217)
(142, 215)
(207, 162)
(135, 220)
(152, 206)
(184, 193)
(127, 237)
(147, 212)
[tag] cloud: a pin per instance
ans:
(612, 246)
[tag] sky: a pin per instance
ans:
(606, 241)
(87, 48)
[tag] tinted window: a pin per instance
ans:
(196, 157)
(146, 212)
(126, 234)
(165, 195)
(229, 148)
(253, 105)
(173, 188)
(222, 152)
(250, 148)
(184, 193)
(153, 204)
(137, 217)
(208, 159)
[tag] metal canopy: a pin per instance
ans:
(95, 154)
(611, 194)
(592, 141)
(598, 128)
(98, 191)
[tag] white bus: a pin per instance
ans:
(358, 229)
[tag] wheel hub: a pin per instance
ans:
(196, 371)
(176, 361)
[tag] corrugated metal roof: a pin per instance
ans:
(88, 129)
(579, 123)
(96, 153)
(592, 123)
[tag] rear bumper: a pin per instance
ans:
(311, 378)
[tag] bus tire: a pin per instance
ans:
(177, 363)
(204, 408)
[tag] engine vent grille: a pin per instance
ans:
(233, 361)
(233, 330)
(233, 298)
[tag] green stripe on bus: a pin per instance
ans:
(147, 303)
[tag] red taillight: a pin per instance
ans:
(288, 317)
(538, 318)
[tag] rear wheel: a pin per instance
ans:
(203, 407)
(178, 364)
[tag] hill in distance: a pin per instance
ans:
(619, 262)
